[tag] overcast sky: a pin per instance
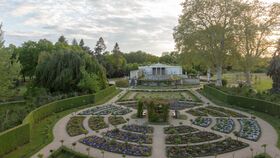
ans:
(135, 24)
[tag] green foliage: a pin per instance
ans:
(14, 138)
(122, 83)
(140, 109)
(9, 73)
(89, 82)
(249, 103)
(20, 135)
(224, 82)
(12, 114)
(274, 70)
(140, 57)
(65, 152)
(158, 110)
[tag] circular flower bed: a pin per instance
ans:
(209, 149)
(138, 128)
(130, 137)
(195, 112)
(226, 111)
(117, 147)
(197, 137)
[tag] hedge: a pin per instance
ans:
(12, 103)
(244, 102)
(15, 137)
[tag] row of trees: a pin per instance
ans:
(218, 33)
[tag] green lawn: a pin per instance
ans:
(41, 133)
(261, 81)
(274, 121)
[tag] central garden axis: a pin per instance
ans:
(178, 123)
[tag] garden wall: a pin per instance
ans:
(15, 137)
(244, 102)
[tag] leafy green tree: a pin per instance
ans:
(253, 31)
(62, 39)
(274, 70)
(89, 82)
(140, 57)
(206, 28)
(99, 47)
(169, 58)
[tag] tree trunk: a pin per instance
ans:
(248, 78)
(219, 76)
(208, 75)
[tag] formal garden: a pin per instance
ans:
(211, 91)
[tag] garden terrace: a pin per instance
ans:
(202, 121)
(196, 112)
(129, 136)
(117, 147)
(211, 112)
(130, 104)
(97, 123)
(250, 129)
(224, 125)
(106, 110)
(75, 126)
(116, 120)
(138, 128)
(226, 111)
(209, 149)
(179, 129)
(197, 137)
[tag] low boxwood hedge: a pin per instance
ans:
(20, 135)
(244, 102)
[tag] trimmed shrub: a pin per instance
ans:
(13, 138)
(244, 102)
(122, 83)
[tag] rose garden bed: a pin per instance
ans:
(179, 129)
(97, 123)
(224, 125)
(207, 149)
(116, 120)
(202, 121)
(226, 111)
(117, 147)
(129, 136)
(195, 112)
(75, 126)
(211, 112)
(250, 129)
(138, 128)
(198, 137)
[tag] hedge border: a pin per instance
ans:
(9, 140)
(244, 102)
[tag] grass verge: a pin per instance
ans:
(41, 133)
(65, 152)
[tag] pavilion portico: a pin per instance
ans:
(159, 70)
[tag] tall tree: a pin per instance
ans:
(254, 26)
(74, 42)
(62, 39)
(116, 49)
(1, 36)
(82, 43)
(274, 70)
(205, 27)
(99, 47)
